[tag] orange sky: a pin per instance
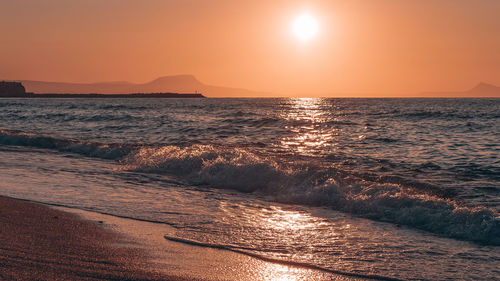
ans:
(364, 46)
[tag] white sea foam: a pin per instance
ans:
(311, 184)
(296, 182)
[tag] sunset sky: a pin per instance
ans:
(376, 46)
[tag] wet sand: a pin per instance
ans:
(56, 243)
(41, 243)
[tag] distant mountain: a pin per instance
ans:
(176, 84)
(484, 89)
(481, 90)
(189, 84)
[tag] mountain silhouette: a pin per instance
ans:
(175, 83)
(485, 89)
(189, 84)
(481, 90)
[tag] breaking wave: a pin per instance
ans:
(316, 185)
(289, 180)
(91, 149)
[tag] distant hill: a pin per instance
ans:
(481, 90)
(175, 84)
(189, 84)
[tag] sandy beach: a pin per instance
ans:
(40, 243)
(54, 243)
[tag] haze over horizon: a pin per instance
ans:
(382, 47)
(190, 84)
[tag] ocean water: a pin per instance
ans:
(397, 188)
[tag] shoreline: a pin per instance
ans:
(42, 243)
(52, 242)
(121, 96)
(112, 96)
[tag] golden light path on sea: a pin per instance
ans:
(308, 117)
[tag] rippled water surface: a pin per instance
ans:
(380, 187)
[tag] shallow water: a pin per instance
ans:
(381, 187)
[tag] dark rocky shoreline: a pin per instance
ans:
(17, 90)
(136, 96)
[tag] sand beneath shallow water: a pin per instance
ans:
(47, 243)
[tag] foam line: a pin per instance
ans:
(297, 182)
(276, 261)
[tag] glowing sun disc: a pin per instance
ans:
(305, 27)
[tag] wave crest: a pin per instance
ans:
(205, 164)
(316, 185)
(91, 149)
(290, 181)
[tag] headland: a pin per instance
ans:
(17, 90)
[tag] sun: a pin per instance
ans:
(305, 27)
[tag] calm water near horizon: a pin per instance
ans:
(400, 188)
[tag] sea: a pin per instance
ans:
(388, 188)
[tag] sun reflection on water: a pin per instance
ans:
(280, 219)
(307, 123)
(285, 234)
(278, 272)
